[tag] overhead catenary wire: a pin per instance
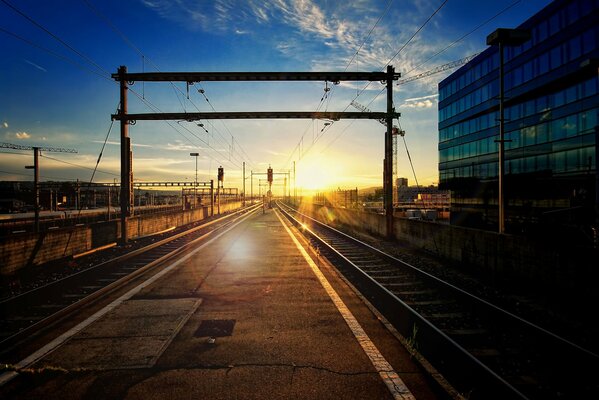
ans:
(55, 37)
(463, 37)
(176, 89)
(57, 55)
(328, 96)
(156, 109)
(383, 68)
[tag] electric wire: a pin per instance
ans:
(176, 89)
(57, 55)
(41, 176)
(326, 96)
(463, 37)
(388, 63)
(55, 37)
(156, 109)
(78, 165)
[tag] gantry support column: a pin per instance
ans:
(388, 176)
(125, 157)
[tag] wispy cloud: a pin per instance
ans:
(431, 96)
(181, 146)
(323, 34)
(419, 104)
(35, 65)
(22, 135)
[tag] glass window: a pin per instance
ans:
(528, 164)
(529, 108)
(515, 137)
(527, 71)
(571, 94)
(559, 161)
(543, 61)
(572, 161)
(542, 162)
(543, 30)
(587, 120)
(542, 133)
(484, 146)
(588, 41)
(590, 87)
(517, 77)
(559, 98)
(587, 158)
(571, 125)
(574, 48)
(554, 24)
(558, 130)
(541, 104)
(572, 12)
(528, 136)
(555, 56)
(586, 7)
(514, 166)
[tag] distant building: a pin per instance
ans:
(421, 197)
(551, 111)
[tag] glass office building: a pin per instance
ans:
(551, 113)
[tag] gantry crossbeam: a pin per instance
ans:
(196, 116)
(252, 76)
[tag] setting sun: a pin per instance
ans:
(317, 173)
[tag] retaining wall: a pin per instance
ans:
(28, 249)
(509, 259)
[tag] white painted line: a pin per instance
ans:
(59, 341)
(396, 386)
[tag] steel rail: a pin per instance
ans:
(435, 344)
(49, 320)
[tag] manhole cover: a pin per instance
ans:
(215, 328)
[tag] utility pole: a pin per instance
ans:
(36, 188)
(252, 186)
(244, 183)
(504, 37)
(388, 176)
(126, 173)
(294, 186)
(36, 173)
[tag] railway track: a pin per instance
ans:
(484, 351)
(28, 313)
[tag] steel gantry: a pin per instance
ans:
(125, 79)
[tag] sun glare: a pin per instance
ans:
(317, 174)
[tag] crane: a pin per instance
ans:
(440, 68)
(36, 173)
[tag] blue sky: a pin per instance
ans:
(63, 96)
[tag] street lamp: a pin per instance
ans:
(504, 37)
(195, 187)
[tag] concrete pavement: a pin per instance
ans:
(243, 318)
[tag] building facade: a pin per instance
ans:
(551, 116)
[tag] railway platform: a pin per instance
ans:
(249, 313)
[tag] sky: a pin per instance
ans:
(56, 58)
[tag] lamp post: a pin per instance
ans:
(504, 37)
(195, 186)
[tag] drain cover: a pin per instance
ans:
(215, 328)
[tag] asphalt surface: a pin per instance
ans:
(244, 317)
